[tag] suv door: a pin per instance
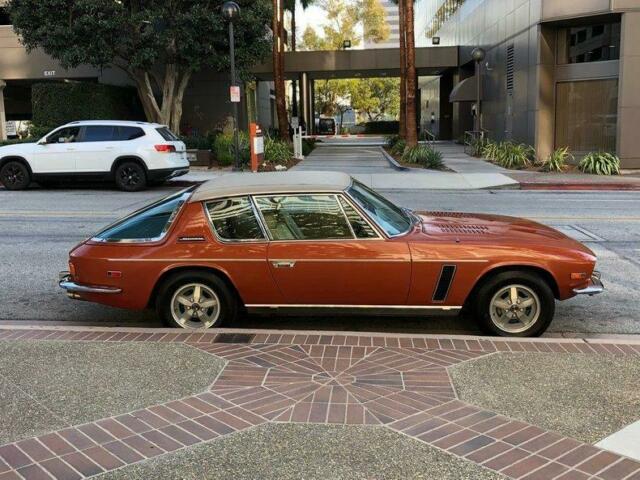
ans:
(322, 252)
(57, 153)
(97, 148)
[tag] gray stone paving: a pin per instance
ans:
(587, 397)
(92, 380)
(291, 451)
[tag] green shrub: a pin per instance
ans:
(15, 141)
(476, 146)
(308, 144)
(399, 147)
(198, 142)
(514, 155)
(391, 140)
(224, 149)
(55, 104)
(557, 161)
(490, 150)
(600, 163)
(425, 156)
(277, 151)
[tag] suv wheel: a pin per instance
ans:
(515, 304)
(15, 175)
(130, 177)
(196, 301)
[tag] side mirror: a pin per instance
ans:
(42, 141)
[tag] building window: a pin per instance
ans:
(586, 115)
(589, 43)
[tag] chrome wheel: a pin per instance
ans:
(514, 308)
(195, 306)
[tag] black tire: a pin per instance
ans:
(130, 177)
(526, 282)
(14, 175)
(226, 299)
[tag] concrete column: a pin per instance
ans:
(545, 86)
(3, 116)
(628, 140)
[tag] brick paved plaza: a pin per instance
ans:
(399, 383)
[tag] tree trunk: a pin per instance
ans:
(294, 83)
(403, 71)
(411, 114)
(278, 70)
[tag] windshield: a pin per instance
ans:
(148, 224)
(392, 219)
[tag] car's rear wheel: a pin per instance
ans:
(515, 304)
(196, 301)
(15, 175)
(130, 177)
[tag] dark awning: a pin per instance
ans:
(465, 91)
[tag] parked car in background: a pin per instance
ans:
(131, 154)
(326, 126)
(323, 241)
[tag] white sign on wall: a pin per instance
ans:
(258, 145)
(234, 92)
(11, 128)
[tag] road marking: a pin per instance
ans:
(624, 442)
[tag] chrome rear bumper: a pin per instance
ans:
(595, 286)
(72, 288)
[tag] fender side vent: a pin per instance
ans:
(233, 338)
(444, 283)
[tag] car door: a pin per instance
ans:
(322, 252)
(56, 154)
(97, 148)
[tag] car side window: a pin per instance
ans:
(360, 226)
(100, 133)
(130, 133)
(304, 217)
(233, 219)
(64, 135)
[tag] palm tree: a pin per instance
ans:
(410, 74)
(402, 130)
(278, 68)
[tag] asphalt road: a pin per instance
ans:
(39, 226)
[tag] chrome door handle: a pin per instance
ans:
(69, 149)
(284, 264)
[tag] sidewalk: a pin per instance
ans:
(230, 404)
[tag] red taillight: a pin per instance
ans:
(165, 148)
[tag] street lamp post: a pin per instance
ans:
(230, 10)
(478, 54)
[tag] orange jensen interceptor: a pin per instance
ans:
(324, 241)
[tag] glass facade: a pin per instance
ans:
(586, 115)
(589, 43)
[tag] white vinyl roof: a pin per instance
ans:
(271, 182)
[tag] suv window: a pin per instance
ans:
(167, 134)
(65, 135)
(130, 133)
(304, 217)
(100, 133)
(234, 219)
(150, 223)
(360, 227)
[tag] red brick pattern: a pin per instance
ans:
(398, 382)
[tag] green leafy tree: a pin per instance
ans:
(375, 97)
(345, 19)
(160, 44)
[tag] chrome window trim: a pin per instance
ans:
(387, 235)
(326, 194)
(264, 238)
(96, 238)
(376, 228)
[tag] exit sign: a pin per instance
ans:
(49, 73)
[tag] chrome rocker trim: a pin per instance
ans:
(73, 288)
(595, 286)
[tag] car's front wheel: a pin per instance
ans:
(196, 301)
(130, 177)
(15, 175)
(515, 304)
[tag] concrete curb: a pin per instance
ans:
(393, 161)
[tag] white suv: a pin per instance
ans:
(133, 154)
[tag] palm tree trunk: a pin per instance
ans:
(278, 70)
(294, 84)
(411, 118)
(403, 72)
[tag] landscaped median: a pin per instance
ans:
(156, 403)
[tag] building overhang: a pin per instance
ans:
(465, 91)
(359, 63)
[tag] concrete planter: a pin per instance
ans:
(200, 158)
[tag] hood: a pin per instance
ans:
(483, 228)
(17, 148)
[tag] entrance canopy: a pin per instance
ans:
(383, 62)
(465, 91)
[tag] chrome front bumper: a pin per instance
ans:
(73, 289)
(595, 286)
